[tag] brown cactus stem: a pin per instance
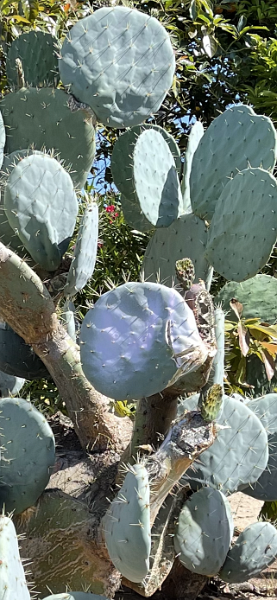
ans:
(187, 439)
(28, 308)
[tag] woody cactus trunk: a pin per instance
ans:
(135, 505)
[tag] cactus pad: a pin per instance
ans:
(185, 237)
(42, 207)
(2, 139)
(136, 338)
(12, 578)
(255, 549)
(27, 454)
(17, 358)
(204, 532)
(75, 596)
(83, 262)
(37, 52)
(135, 69)
(196, 133)
(257, 295)
(235, 140)
(243, 229)
(126, 526)
(43, 118)
(239, 453)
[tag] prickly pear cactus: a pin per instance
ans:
(12, 577)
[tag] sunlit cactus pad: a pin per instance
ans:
(126, 526)
(131, 340)
(41, 207)
(243, 229)
(185, 237)
(204, 532)
(43, 118)
(240, 452)
(2, 139)
(249, 293)
(27, 454)
(13, 585)
(234, 141)
(38, 53)
(120, 62)
(255, 549)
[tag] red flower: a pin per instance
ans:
(110, 209)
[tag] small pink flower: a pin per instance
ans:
(110, 209)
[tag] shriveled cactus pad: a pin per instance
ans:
(137, 338)
(120, 62)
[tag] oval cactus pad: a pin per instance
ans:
(136, 338)
(120, 62)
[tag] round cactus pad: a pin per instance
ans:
(243, 229)
(27, 454)
(255, 549)
(42, 207)
(127, 526)
(13, 584)
(265, 488)
(136, 339)
(120, 62)
(38, 53)
(239, 453)
(235, 140)
(42, 117)
(186, 237)
(257, 295)
(204, 532)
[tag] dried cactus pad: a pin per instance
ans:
(12, 578)
(120, 62)
(38, 53)
(136, 338)
(27, 454)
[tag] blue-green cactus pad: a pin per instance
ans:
(239, 453)
(2, 139)
(126, 526)
(7, 235)
(13, 584)
(204, 532)
(186, 237)
(235, 140)
(243, 229)
(120, 62)
(84, 257)
(196, 133)
(17, 358)
(38, 52)
(42, 207)
(130, 340)
(134, 216)
(265, 487)
(43, 118)
(27, 454)
(75, 596)
(257, 294)
(156, 180)
(255, 549)
(121, 166)
(10, 385)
